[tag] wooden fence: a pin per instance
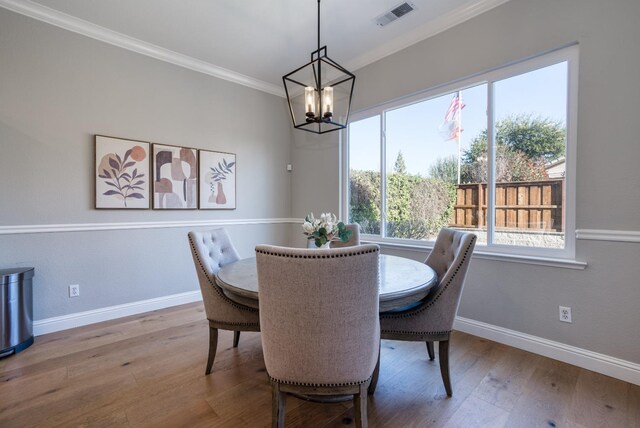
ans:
(533, 205)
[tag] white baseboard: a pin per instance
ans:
(610, 366)
(64, 322)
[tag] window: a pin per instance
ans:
(493, 155)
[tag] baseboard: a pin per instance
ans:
(600, 363)
(610, 366)
(64, 322)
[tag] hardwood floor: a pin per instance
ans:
(148, 371)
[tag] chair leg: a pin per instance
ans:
(360, 407)
(278, 402)
(374, 377)
(213, 346)
(443, 353)
(236, 338)
(430, 351)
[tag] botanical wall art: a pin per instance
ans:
(175, 174)
(122, 173)
(217, 180)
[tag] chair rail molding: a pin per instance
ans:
(608, 235)
(97, 32)
(89, 227)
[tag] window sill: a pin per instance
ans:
(487, 255)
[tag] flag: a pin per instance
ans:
(450, 129)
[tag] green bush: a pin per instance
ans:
(417, 207)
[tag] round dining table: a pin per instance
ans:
(402, 282)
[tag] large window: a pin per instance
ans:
(492, 155)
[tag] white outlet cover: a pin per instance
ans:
(565, 313)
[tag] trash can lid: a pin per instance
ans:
(9, 276)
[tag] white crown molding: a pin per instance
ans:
(85, 28)
(615, 367)
(89, 227)
(65, 322)
(608, 235)
(431, 28)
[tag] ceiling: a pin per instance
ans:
(252, 42)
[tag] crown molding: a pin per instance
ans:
(431, 28)
(88, 29)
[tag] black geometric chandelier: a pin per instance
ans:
(319, 93)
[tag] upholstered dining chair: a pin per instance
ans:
(432, 320)
(320, 322)
(353, 240)
(211, 250)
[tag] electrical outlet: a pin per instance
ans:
(74, 290)
(565, 314)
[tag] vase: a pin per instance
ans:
(325, 246)
(221, 199)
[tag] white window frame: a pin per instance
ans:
(537, 255)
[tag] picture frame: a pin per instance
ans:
(175, 177)
(217, 179)
(121, 173)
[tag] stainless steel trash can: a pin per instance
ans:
(16, 310)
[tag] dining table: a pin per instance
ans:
(403, 282)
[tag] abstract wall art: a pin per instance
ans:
(122, 173)
(217, 180)
(175, 175)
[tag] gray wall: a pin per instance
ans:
(604, 297)
(57, 89)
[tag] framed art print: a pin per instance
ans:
(217, 180)
(121, 173)
(175, 177)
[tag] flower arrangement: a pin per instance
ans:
(325, 229)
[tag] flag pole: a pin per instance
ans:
(459, 130)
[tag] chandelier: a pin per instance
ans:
(319, 93)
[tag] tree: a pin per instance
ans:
(364, 191)
(445, 169)
(510, 165)
(536, 137)
(523, 146)
(400, 167)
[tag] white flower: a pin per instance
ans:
(308, 228)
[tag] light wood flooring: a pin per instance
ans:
(148, 371)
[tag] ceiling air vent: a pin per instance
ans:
(397, 12)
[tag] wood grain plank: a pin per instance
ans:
(599, 400)
(148, 370)
(547, 398)
(477, 413)
(508, 378)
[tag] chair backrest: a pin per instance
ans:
(319, 313)
(353, 240)
(450, 259)
(211, 250)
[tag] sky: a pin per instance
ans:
(416, 129)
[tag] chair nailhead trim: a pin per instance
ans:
(417, 333)
(215, 286)
(440, 292)
(318, 385)
(239, 324)
(318, 256)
